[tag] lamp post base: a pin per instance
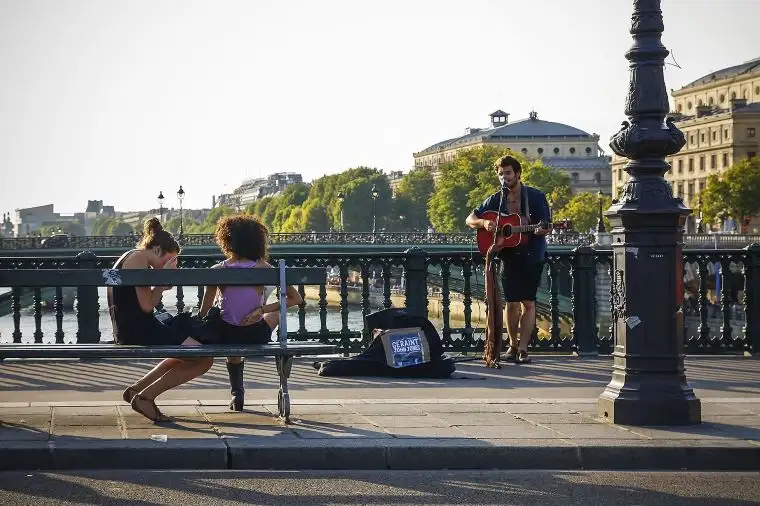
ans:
(651, 406)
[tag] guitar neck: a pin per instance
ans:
(525, 228)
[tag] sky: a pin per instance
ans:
(117, 100)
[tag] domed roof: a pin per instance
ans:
(528, 128)
(534, 127)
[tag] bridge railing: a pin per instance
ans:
(720, 309)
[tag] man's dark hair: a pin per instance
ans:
(508, 161)
(242, 236)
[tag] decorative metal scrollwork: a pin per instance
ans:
(617, 301)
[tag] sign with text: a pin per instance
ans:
(405, 347)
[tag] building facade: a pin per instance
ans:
(558, 145)
(719, 115)
(254, 189)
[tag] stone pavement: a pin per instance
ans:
(66, 414)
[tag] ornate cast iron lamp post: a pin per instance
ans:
(648, 384)
(341, 199)
(181, 197)
(161, 205)
(375, 194)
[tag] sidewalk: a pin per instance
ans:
(63, 415)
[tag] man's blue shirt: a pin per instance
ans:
(539, 211)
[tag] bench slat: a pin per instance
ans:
(158, 277)
(135, 351)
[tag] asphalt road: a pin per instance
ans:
(544, 488)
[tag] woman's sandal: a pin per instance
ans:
(522, 357)
(157, 417)
(511, 354)
(129, 394)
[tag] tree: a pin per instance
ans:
(583, 211)
(412, 196)
(735, 193)
(466, 181)
(118, 227)
(65, 227)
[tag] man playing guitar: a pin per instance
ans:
(521, 266)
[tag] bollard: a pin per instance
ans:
(752, 298)
(415, 275)
(87, 306)
(583, 271)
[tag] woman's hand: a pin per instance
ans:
(253, 317)
(171, 263)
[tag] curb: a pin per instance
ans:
(361, 453)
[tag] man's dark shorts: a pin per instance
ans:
(520, 276)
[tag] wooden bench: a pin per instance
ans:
(282, 350)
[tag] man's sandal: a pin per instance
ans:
(153, 414)
(522, 357)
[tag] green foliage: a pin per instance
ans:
(735, 193)
(66, 227)
(583, 211)
(466, 181)
(412, 196)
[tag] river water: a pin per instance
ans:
(48, 323)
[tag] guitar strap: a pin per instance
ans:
(526, 202)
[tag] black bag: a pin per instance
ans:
(404, 346)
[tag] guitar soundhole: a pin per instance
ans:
(507, 230)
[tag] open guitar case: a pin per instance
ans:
(374, 361)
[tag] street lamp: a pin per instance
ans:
(161, 205)
(341, 198)
(180, 196)
(375, 194)
(600, 222)
(648, 385)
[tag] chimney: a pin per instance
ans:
(703, 110)
(213, 201)
(738, 103)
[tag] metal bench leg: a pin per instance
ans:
(284, 365)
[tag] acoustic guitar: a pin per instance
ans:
(512, 230)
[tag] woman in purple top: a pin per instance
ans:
(243, 316)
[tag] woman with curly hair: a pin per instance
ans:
(132, 316)
(244, 318)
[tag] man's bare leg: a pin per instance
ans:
(527, 323)
(512, 317)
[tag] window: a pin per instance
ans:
(691, 165)
(725, 133)
(757, 90)
(524, 150)
(701, 185)
(691, 139)
(678, 108)
(722, 98)
(710, 101)
(690, 190)
(556, 151)
(540, 150)
(598, 177)
(700, 103)
(572, 151)
(688, 106)
(620, 174)
(588, 150)
(575, 177)
(751, 132)
(701, 163)
(725, 160)
(702, 138)
(715, 135)
(680, 165)
(713, 161)
(680, 189)
(751, 154)
(733, 95)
